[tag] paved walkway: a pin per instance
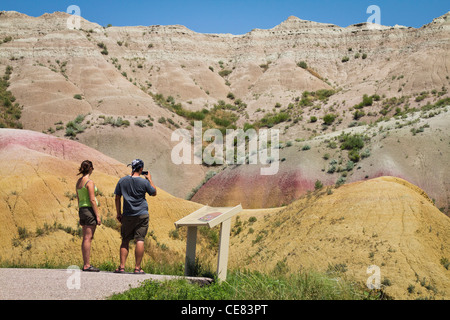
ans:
(67, 284)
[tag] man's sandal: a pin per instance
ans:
(119, 270)
(139, 271)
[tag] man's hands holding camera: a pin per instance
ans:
(146, 175)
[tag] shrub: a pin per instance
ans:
(224, 73)
(331, 168)
(323, 94)
(23, 233)
(269, 120)
(248, 126)
(221, 122)
(140, 123)
(79, 118)
(78, 96)
(302, 64)
(365, 154)
(313, 119)
(329, 118)
(421, 97)
(353, 155)
(162, 120)
(7, 39)
(101, 45)
(350, 165)
(318, 185)
(195, 115)
(367, 101)
(345, 59)
(120, 122)
(70, 132)
(445, 263)
(350, 142)
(230, 95)
(75, 127)
(340, 181)
(358, 114)
(306, 147)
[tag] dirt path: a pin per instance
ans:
(64, 284)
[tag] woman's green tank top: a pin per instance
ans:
(83, 196)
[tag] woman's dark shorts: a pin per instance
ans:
(134, 227)
(87, 216)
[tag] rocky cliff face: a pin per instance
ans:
(176, 60)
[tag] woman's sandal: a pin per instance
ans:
(91, 269)
(119, 270)
(139, 271)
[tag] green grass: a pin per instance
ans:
(279, 284)
(252, 285)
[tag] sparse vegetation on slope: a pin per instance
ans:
(10, 111)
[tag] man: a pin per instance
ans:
(134, 217)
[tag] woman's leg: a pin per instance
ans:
(88, 234)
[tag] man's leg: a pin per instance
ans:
(139, 236)
(139, 253)
(124, 252)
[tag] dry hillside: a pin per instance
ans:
(386, 222)
(389, 148)
(38, 206)
(152, 76)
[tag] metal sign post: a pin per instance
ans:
(211, 217)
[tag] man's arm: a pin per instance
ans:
(119, 207)
(149, 178)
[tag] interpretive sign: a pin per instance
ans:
(211, 217)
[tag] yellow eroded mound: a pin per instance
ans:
(386, 222)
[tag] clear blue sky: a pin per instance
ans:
(236, 16)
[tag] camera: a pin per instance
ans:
(144, 173)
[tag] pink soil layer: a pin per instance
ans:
(56, 147)
(253, 190)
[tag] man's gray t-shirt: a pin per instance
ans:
(133, 190)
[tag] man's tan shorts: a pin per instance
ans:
(134, 227)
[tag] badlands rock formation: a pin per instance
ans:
(386, 222)
(105, 73)
(39, 210)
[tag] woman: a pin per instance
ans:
(88, 211)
